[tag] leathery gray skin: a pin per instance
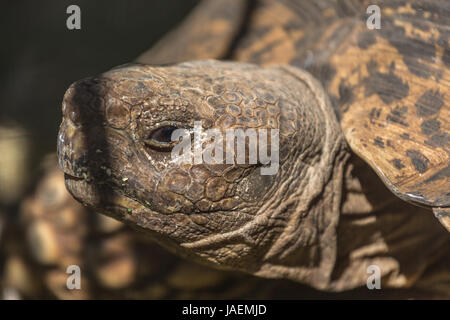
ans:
(112, 147)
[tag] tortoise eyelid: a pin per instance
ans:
(158, 137)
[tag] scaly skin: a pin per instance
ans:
(231, 216)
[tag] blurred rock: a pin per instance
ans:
(14, 162)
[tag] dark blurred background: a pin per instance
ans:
(40, 58)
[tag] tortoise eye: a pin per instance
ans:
(163, 135)
(161, 138)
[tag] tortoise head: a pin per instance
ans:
(223, 162)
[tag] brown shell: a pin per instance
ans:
(389, 85)
(397, 111)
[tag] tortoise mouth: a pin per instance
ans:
(104, 199)
(87, 178)
(72, 177)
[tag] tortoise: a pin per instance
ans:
(362, 117)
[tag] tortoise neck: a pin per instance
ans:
(306, 250)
